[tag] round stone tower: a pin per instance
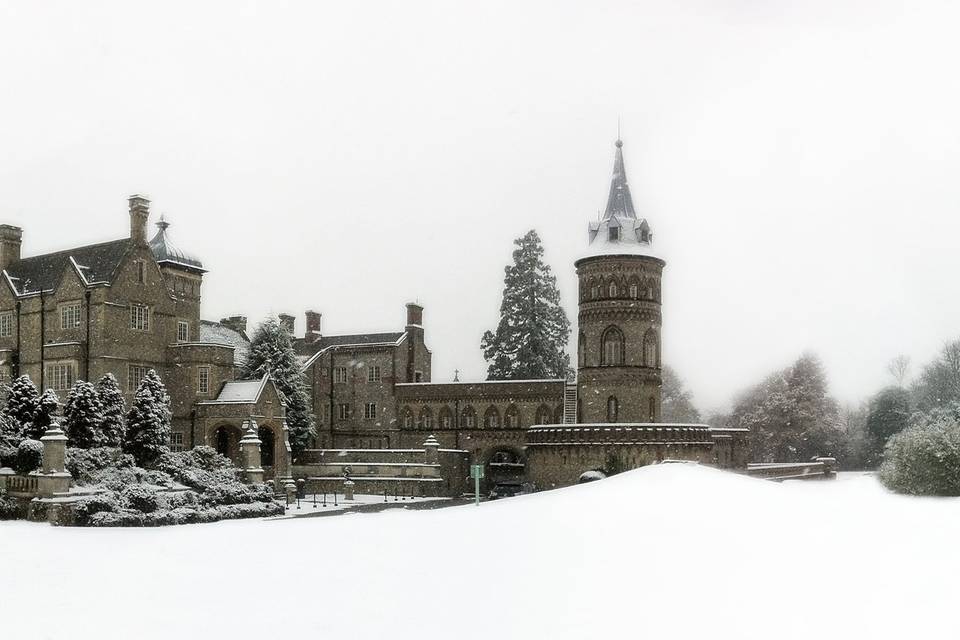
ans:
(618, 346)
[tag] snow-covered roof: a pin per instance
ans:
(241, 392)
(218, 333)
(620, 231)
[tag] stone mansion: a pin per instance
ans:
(132, 304)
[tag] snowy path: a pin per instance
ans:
(675, 551)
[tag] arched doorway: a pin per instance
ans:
(268, 447)
(226, 440)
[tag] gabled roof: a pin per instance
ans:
(241, 391)
(214, 332)
(167, 253)
(97, 263)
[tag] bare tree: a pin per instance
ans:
(899, 368)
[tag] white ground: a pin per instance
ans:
(675, 551)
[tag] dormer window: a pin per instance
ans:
(644, 235)
(614, 233)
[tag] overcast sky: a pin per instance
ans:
(797, 161)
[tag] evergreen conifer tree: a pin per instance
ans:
(83, 416)
(148, 421)
(21, 406)
(272, 352)
(111, 400)
(532, 335)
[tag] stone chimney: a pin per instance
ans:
(237, 323)
(313, 326)
(288, 323)
(139, 212)
(414, 315)
(10, 238)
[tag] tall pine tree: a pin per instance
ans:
(111, 399)
(272, 352)
(83, 416)
(148, 421)
(532, 335)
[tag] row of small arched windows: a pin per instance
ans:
(631, 289)
(468, 418)
(613, 348)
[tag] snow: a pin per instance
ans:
(245, 391)
(674, 551)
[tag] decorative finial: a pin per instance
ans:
(619, 141)
(456, 375)
(162, 223)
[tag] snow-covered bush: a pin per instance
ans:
(85, 509)
(8, 456)
(29, 456)
(9, 508)
(924, 459)
(141, 497)
(87, 465)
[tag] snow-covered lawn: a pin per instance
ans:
(674, 551)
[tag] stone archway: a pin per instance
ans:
(505, 466)
(225, 438)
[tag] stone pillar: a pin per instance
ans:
(348, 487)
(250, 453)
(54, 478)
(283, 469)
(829, 468)
(5, 472)
(431, 451)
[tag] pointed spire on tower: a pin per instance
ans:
(619, 202)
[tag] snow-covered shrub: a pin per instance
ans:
(85, 509)
(9, 508)
(29, 456)
(141, 497)
(924, 459)
(87, 466)
(120, 519)
(8, 456)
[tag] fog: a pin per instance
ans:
(797, 163)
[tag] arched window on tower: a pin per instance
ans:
(652, 405)
(491, 418)
(613, 408)
(612, 290)
(634, 289)
(511, 417)
(651, 349)
(581, 350)
(426, 419)
(611, 347)
(446, 417)
(594, 290)
(543, 414)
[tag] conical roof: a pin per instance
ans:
(619, 202)
(166, 252)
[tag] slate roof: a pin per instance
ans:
(619, 202)
(214, 332)
(97, 262)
